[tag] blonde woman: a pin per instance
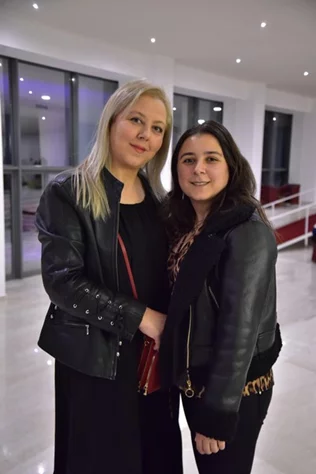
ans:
(94, 327)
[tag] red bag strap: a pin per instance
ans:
(128, 266)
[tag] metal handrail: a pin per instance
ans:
(305, 236)
(287, 198)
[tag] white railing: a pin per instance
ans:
(307, 213)
(288, 198)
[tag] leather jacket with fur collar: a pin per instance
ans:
(222, 326)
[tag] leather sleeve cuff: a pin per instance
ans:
(214, 424)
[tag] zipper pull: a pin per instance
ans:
(189, 391)
(87, 329)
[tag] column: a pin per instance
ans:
(2, 224)
(245, 121)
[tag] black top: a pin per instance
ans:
(144, 237)
(145, 240)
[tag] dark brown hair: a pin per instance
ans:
(241, 188)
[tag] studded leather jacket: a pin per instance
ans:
(88, 317)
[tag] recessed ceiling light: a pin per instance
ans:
(263, 24)
(21, 79)
(217, 109)
(274, 119)
(45, 97)
(73, 79)
(238, 60)
(306, 73)
(35, 6)
(30, 92)
(0, 64)
(201, 121)
(41, 469)
(153, 40)
(43, 118)
(174, 108)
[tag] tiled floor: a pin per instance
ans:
(288, 441)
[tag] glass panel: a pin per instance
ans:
(276, 148)
(5, 111)
(44, 103)
(190, 111)
(33, 186)
(7, 181)
(92, 96)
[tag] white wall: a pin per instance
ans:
(303, 153)
(2, 227)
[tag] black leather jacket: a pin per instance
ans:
(222, 325)
(88, 318)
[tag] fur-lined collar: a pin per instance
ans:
(202, 256)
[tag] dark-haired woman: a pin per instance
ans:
(221, 336)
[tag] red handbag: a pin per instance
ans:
(148, 368)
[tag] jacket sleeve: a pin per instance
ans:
(245, 276)
(63, 268)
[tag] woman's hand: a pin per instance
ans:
(152, 325)
(206, 445)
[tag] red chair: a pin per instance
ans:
(269, 194)
(288, 190)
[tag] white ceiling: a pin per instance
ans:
(205, 34)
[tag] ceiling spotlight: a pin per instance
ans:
(174, 108)
(21, 79)
(263, 24)
(153, 40)
(217, 109)
(306, 73)
(35, 6)
(274, 119)
(43, 118)
(238, 60)
(0, 64)
(201, 121)
(73, 79)
(30, 92)
(45, 97)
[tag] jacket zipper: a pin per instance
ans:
(149, 374)
(114, 366)
(189, 391)
(116, 245)
(77, 325)
(213, 296)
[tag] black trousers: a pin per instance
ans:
(101, 429)
(238, 456)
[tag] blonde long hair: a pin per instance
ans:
(88, 184)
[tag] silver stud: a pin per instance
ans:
(112, 323)
(120, 343)
(109, 302)
(120, 307)
(75, 306)
(100, 318)
(118, 354)
(55, 307)
(97, 296)
(87, 311)
(87, 290)
(51, 316)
